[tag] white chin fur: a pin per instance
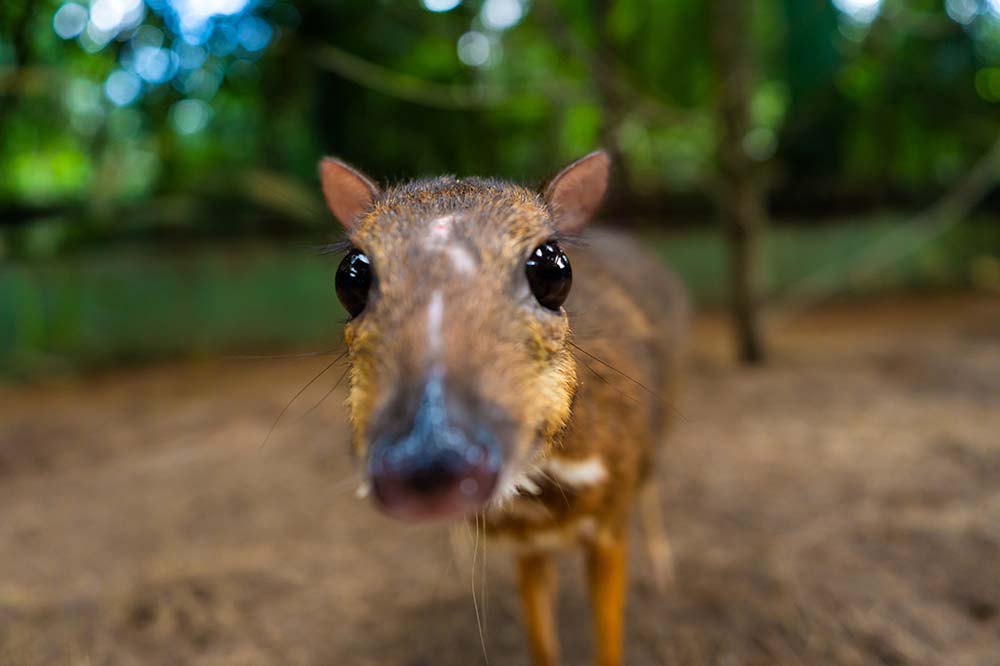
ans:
(576, 474)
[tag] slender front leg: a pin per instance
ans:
(606, 576)
(658, 550)
(537, 580)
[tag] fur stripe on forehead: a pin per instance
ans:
(439, 229)
(440, 238)
(463, 225)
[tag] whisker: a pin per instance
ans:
(475, 600)
(556, 483)
(325, 396)
(346, 484)
(608, 382)
(300, 392)
(452, 563)
(269, 357)
(570, 239)
(616, 370)
(630, 378)
(339, 246)
(486, 600)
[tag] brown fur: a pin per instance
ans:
(624, 312)
(503, 350)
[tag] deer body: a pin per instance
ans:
(628, 313)
(482, 384)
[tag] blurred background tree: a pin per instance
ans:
(155, 125)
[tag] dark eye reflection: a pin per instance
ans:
(549, 275)
(353, 282)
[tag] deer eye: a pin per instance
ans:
(354, 280)
(549, 275)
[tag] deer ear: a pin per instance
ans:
(576, 192)
(348, 192)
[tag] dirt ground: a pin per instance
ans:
(841, 506)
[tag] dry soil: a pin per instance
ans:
(840, 506)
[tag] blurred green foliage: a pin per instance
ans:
(135, 302)
(857, 105)
(848, 112)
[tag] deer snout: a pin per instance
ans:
(439, 460)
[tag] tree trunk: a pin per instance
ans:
(19, 38)
(610, 98)
(740, 199)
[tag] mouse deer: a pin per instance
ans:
(507, 365)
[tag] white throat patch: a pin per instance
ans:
(576, 473)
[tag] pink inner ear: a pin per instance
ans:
(576, 192)
(348, 192)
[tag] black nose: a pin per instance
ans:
(442, 462)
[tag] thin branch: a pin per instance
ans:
(950, 210)
(405, 86)
(614, 71)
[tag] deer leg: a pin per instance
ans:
(606, 573)
(537, 580)
(658, 550)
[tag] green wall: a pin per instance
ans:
(130, 303)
